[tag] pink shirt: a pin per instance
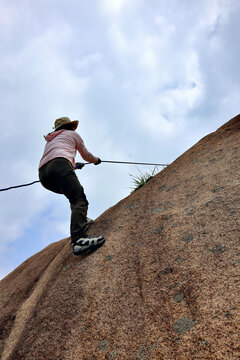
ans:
(65, 143)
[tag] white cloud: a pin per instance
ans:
(114, 7)
(215, 13)
(18, 207)
(8, 15)
(163, 64)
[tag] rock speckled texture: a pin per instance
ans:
(164, 286)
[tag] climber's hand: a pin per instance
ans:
(79, 165)
(98, 162)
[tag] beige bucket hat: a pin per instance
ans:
(64, 121)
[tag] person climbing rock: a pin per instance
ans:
(57, 173)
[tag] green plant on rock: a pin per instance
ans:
(141, 179)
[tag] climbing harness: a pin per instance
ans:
(81, 165)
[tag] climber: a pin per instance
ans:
(57, 173)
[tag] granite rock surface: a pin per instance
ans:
(164, 286)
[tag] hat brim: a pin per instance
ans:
(73, 124)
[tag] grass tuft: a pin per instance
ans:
(140, 180)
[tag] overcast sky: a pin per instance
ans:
(146, 79)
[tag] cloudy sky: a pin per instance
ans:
(146, 79)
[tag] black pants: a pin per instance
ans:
(59, 176)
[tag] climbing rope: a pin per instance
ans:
(133, 163)
(81, 165)
(18, 186)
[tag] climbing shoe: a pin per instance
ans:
(83, 245)
(89, 222)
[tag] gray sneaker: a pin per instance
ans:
(83, 245)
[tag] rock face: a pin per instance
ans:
(164, 286)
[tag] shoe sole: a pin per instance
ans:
(91, 248)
